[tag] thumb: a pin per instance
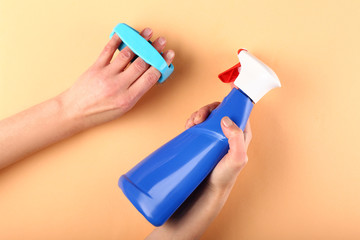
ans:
(237, 157)
(226, 171)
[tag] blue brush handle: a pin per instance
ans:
(142, 48)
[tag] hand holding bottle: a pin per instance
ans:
(195, 215)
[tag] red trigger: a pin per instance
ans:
(230, 75)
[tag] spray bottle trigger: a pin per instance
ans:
(231, 74)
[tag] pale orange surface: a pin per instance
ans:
(303, 176)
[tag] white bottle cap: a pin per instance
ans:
(255, 78)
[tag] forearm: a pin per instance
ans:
(197, 219)
(35, 129)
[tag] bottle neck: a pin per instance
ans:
(236, 105)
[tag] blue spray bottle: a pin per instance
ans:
(160, 183)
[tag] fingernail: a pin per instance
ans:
(227, 122)
(147, 32)
(170, 55)
(162, 40)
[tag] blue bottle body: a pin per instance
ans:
(160, 183)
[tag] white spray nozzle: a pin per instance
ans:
(255, 79)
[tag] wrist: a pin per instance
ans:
(202, 211)
(71, 118)
(216, 199)
(220, 191)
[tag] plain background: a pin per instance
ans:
(303, 176)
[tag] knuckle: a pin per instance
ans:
(151, 77)
(239, 133)
(236, 142)
(203, 110)
(124, 54)
(199, 117)
(206, 107)
(204, 113)
(140, 65)
(236, 135)
(125, 103)
(193, 115)
(214, 105)
(241, 160)
(108, 48)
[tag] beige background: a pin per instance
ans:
(303, 176)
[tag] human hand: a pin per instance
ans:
(197, 212)
(224, 174)
(108, 89)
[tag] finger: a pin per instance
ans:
(108, 51)
(224, 174)
(139, 66)
(125, 55)
(213, 105)
(190, 121)
(149, 78)
(204, 112)
(200, 115)
(247, 135)
(237, 151)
